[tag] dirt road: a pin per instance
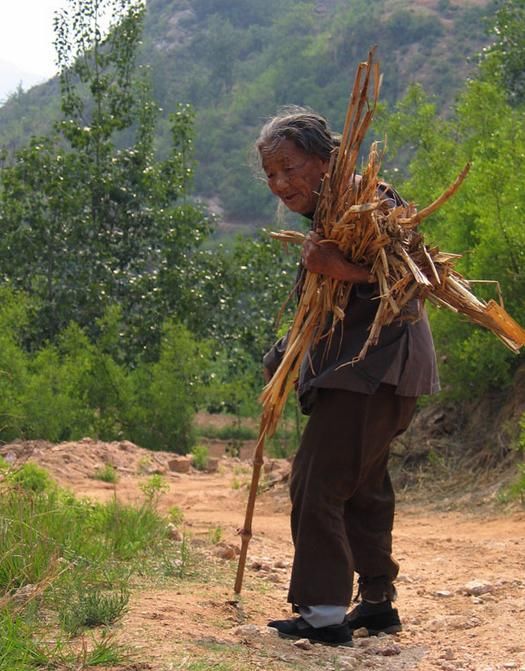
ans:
(461, 585)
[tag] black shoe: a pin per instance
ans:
(335, 634)
(376, 618)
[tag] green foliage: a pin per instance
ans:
(89, 215)
(517, 489)
(229, 432)
(153, 489)
(169, 391)
(505, 58)
(199, 457)
(215, 535)
(483, 221)
(106, 473)
(31, 478)
(237, 62)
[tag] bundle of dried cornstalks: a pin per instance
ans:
(351, 214)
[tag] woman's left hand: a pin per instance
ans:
(325, 258)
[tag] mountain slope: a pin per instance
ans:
(237, 62)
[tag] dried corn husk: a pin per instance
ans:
(386, 240)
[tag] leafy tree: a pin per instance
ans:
(483, 221)
(505, 58)
(89, 215)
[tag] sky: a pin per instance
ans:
(26, 42)
(27, 54)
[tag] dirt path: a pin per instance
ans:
(461, 586)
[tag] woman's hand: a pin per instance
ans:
(325, 258)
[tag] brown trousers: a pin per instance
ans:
(342, 497)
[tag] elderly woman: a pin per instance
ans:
(342, 497)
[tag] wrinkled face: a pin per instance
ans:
(294, 176)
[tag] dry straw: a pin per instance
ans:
(351, 214)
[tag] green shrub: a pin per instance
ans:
(31, 478)
(153, 489)
(168, 392)
(107, 473)
(17, 648)
(199, 457)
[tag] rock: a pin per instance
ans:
(389, 650)
(443, 594)
(362, 632)
(271, 632)
(247, 631)
(280, 564)
(225, 551)
(273, 577)
(478, 587)
(180, 464)
(303, 644)
(174, 533)
(347, 663)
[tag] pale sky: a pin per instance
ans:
(27, 54)
(26, 34)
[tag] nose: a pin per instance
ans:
(278, 183)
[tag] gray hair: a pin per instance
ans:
(306, 129)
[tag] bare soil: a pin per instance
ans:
(461, 586)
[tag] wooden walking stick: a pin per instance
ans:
(246, 532)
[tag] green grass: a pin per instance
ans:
(80, 557)
(107, 473)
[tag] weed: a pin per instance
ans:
(236, 483)
(175, 515)
(128, 531)
(104, 653)
(153, 489)
(178, 564)
(106, 473)
(199, 457)
(92, 606)
(215, 535)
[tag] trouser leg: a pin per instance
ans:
(369, 513)
(344, 443)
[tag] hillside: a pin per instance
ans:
(237, 62)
